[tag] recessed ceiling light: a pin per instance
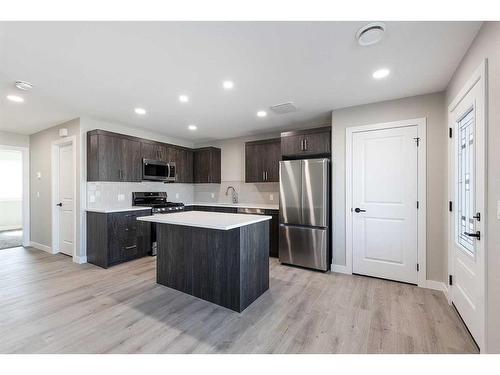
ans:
(23, 85)
(183, 98)
(140, 111)
(228, 85)
(192, 127)
(261, 114)
(381, 73)
(370, 34)
(15, 98)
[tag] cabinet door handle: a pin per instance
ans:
(130, 247)
(305, 144)
(301, 145)
(266, 175)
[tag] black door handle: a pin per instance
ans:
(59, 204)
(358, 210)
(477, 216)
(475, 235)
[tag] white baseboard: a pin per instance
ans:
(79, 260)
(10, 227)
(39, 246)
(438, 285)
(340, 269)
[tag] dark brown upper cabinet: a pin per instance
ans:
(262, 160)
(153, 150)
(183, 159)
(309, 142)
(207, 165)
(113, 157)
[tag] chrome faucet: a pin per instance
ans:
(234, 194)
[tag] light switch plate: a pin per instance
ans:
(39, 175)
(213, 195)
(271, 197)
(38, 194)
(121, 197)
(92, 198)
(176, 195)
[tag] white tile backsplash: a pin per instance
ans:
(119, 194)
(266, 193)
(114, 195)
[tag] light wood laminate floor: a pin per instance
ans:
(51, 305)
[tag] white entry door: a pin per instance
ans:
(66, 200)
(384, 203)
(467, 288)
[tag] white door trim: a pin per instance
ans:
(421, 124)
(55, 190)
(25, 155)
(479, 76)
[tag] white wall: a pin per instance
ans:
(487, 45)
(433, 108)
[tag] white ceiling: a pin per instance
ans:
(106, 69)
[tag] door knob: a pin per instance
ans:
(59, 204)
(358, 210)
(475, 235)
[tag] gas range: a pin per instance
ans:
(157, 201)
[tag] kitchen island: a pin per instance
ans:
(219, 257)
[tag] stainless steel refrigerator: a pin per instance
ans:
(305, 213)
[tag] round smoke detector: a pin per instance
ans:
(370, 34)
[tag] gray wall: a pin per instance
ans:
(487, 45)
(40, 188)
(233, 173)
(12, 139)
(433, 108)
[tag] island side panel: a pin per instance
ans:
(201, 262)
(254, 262)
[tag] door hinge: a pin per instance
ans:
(417, 141)
(418, 205)
(450, 280)
(450, 206)
(450, 132)
(418, 267)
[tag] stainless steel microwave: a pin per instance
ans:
(157, 170)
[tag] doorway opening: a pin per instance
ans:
(14, 202)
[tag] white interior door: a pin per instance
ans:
(467, 242)
(66, 200)
(384, 198)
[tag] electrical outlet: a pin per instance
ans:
(176, 195)
(38, 194)
(91, 198)
(121, 197)
(271, 197)
(212, 195)
(39, 175)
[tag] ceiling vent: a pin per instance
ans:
(283, 108)
(370, 34)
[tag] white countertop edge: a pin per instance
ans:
(200, 223)
(263, 206)
(111, 210)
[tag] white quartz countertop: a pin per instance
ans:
(202, 219)
(263, 206)
(108, 210)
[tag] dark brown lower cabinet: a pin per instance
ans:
(117, 237)
(273, 223)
